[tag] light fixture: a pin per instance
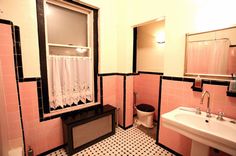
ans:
(160, 37)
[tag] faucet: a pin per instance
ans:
(208, 112)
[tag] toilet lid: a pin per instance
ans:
(145, 108)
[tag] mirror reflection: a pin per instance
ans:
(211, 53)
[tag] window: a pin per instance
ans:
(69, 30)
(68, 44)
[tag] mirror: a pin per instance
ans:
(211, 53)
(149, 45)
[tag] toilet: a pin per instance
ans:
(145, 115)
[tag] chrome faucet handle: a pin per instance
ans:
(220, 116)
(198, 110)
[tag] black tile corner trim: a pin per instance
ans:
(135, 41)
(159, 110)
(130, 126)
(168, 149)
(17, 54)
(101, 90)
(17, 84)
(121, 126)
(124, 101)
(3, 21)
(42, 56)
(19, 69)
(52, 150)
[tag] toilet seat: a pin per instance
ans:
(145, 108)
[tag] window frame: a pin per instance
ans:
(44, 108)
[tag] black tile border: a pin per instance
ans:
(135, 41)
(117, 74)
(124, 101)
(101, 90)
(129, 74)
(42, 54)
(204, 81)
(159, 110)
(232, 94)
(30, 79)
(13, 28)
(125, 128)
(52, 150)
(3, 21)
(147, 72)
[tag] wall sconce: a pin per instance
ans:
(160, 38)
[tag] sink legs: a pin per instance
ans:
(199, 149)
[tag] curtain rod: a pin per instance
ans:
(211, 40)
(69, 56)
(210, 31)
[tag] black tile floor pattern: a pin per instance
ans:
(130, 142)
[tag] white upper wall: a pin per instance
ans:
(107, 34)
(23, 14)
(117, 18)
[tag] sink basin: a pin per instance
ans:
(202, 130)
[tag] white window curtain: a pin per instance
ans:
(69, 80)
(208, 57)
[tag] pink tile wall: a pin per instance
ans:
(129, 100)
(147, 88)
(120, 97)
(109, 90)
(41, 136)
(113, 93)
(10, 90)
(176, 94)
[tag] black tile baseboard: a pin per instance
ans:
(52, 150)
(168, 149)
